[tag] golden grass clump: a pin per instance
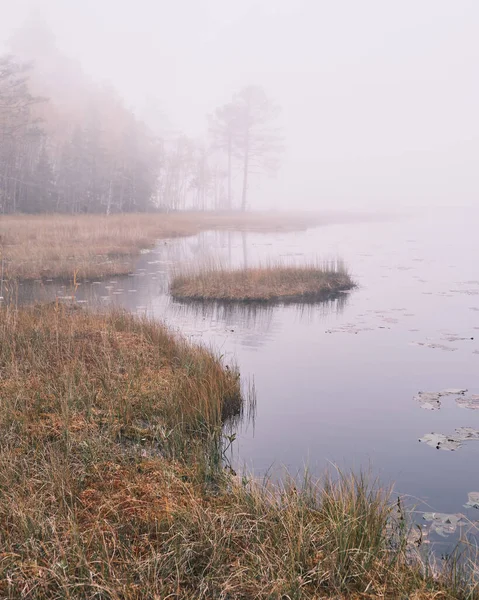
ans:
(102, 417)
(56, 246)
(274, 282)
(112, 485)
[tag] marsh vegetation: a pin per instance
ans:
(113, 483)
(273, 282)
(93, 246)
(122, 442)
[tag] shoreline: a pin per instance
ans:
(114, 479)
(274, 283)
(74, 248)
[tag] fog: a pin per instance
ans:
(378, 99)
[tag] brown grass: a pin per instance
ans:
(112, 486)
(275, 282)
(56, 246)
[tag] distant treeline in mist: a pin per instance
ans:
(70, 145)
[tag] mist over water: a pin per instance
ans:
(336, 382)
(378, 100)
(368, 107)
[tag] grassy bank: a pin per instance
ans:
(111, 484)
(274, 282)
(56, 246)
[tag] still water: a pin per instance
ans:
(335, 382)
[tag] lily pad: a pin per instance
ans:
(431, 400)
(450, 441)
(472, 500)
(436, 346)
(444, 524)
(470, 402)
(440, 441)
(467, 433)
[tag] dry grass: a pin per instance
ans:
(103, 418)
(56, 246)
(112, 486)
(274, 282)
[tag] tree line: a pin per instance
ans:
(79, 149)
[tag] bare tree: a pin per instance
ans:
(223, 125)
(258, 142)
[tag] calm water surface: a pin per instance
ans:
(335, 382)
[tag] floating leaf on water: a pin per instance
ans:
(456, 338)
(444, 524)
(349, 328)
(472, 500)
(440, 441)
(431, 400)
(467, 433)
(471, 402)
(452, 441)
(435, 346)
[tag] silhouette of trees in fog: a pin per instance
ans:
(244, 129)
(70, 145)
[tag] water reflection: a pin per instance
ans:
(335, 381)
(256, 317)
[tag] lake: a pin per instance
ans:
(336, 382)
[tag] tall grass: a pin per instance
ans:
(112, 486)
(56, 246)
(270, 282)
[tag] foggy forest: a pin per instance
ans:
(239, 300)
(71, 146)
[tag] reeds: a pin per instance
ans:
(112, 483)
(56, 246)
(270, 282)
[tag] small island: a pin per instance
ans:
(272, 283)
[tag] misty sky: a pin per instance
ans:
(380, 98)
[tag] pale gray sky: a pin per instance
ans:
(380, 98)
